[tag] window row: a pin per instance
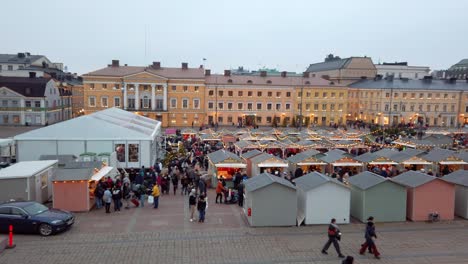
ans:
(248, 106)
(420, 96)
(429, 108)
(271, 119)
(249, 93)
(185, 103)
(324, 94)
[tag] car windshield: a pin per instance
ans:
(35, 208)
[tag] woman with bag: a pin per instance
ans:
(155, 195)
(333, 236)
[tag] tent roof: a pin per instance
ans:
(263, 157)
(303, 155)
(366, 157)
(75, 174)
(251, 154)
(62, 159)
(313, 180)
(109, 124)
(413, 179)
(265, 179)
(222, 155)
(26, 169)
(366, 180)
(459, 177)
(438, 154)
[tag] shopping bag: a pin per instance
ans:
(150, 199)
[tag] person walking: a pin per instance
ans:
(240, 193)
(116, 196)
(107, 197)
(333, 236)
(155, 194)
(175, 182)
(192, 203)
(126, 194)
(219, 192)
(142, 191)
(201, 206)
(348, 260)
(98, 194)
(370, 235)
(370, 219)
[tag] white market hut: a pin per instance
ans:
(224, 164)
(267, 162)
(270, 201)
(321, 198)
(7, 151)
(28, 180)
(306, 161)
(460, 179)
(135, 138)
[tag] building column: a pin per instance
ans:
(137, 96)
(43, 112)
(165, 97)
(125, 100)
(153, 97)
(22, 116)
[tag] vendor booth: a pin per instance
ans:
(321, 198)
(306, 161)
(7, 151)
(460, 179)
(134, 138)
(74, 187)
(426, 195)
(267, 163)
(270, 201)
(27, 180)
(62, 159)
(224, 164)
(416, 163)
(248, 156)
(374, 195)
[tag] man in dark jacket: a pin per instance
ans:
(369, 235)
(333, 236)
(98, 194)
(240, 192)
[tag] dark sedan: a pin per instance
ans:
(33, 217)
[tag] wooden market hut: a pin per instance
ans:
(270, 201)
(460, 179)
(374, 195)
(321, 198)
(339, 159)
(444, 161)
(306, 161)
(248, 156)
(267, 162)
(427, 194)
(224, 164)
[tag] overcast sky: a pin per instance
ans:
(288, 35)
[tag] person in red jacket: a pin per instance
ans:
(219, 191)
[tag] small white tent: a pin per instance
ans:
(135, 138)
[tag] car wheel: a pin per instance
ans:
(45, 230)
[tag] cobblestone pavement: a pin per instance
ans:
(165, 235)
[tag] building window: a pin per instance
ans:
(159, 104)
(10, 67)
(420, 107)
(268, 119)
(184, 103)
(325, 94)
(196, 89)
(220, 105)
(196, 103)
(269, 106)
(229, 119)
(259, 106)
(91, 85)
(104, 101)
(270, 94)
(288, 106)
(104, 86)
(413, 95)
(278, 107)
(429, 95)
(259, 119)
(452, 108)
(421, 96)
(288, 94)
(278, 94)
(332, 107)
(210, 93)
(221, 93)
(333, 95)
(133, 152)
(27, 103)
(259, 94)
(240, 106)
(249, 93)
(340, 107)
(173, 103)
(395, 107)
(174, 87)
(341, 95)
(403, 108)
(324, 107)
(117, 101)
(92, 101)
(416, 75)
(240, 93)
(445, 96)
(229, 106)
(299, 94)
(145, 102)
(411, 108)
(210, 105)
(316, 107)
(37, 104)
(387, 95)
(386, 107)
(185, 88)
(230, 93)
(250, 106)
(307, 108)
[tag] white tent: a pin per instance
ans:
(135, 138)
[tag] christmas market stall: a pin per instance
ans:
(270, 201)
(248, 156)
(340, 161)
(427, 196)
(460, 179)
(74, 185)
(444, 161)
(375, 163)
(305, 162)
(321, 198)
(374, 195)
(27, 180)
(267, 163)
(224, 164)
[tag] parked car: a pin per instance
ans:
(33, 217)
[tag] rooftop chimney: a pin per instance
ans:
(207, 72)
(427, 78)
(389, 78)
(156, 65)
(453, 80)
(21, 55)
(184, 65)
(115, 63)
(263, 73)
(305, 74)
(227, 73)
(32, 74)
(284, 73)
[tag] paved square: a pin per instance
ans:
(165, 235)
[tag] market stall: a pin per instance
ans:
(306, 161)
(267, 163)
(248, 156)
(460, 179)
(224, 164)
(7, 151)
(74, 187)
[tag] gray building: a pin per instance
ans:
(270, 201)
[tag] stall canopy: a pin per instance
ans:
(251, 154)
(436, 155)
(306, 158)
(62, 159)
(266, 161)
(112, 123)
(459, 177)
(226, 159)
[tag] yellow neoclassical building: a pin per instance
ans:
(174, 96)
